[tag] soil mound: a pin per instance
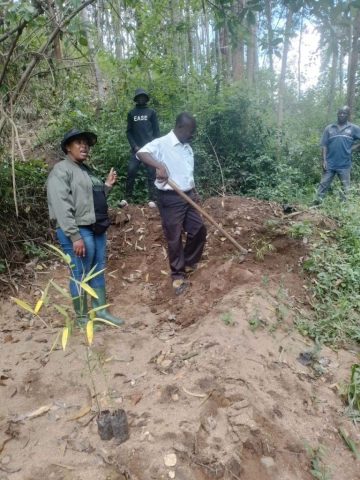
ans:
(210, 380)
(138, 254)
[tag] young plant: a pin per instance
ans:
(227, 318)
(300, 229)
(351, 392)
(319, 469)
(261, 246)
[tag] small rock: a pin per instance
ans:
(6, 460)
(8, 338)
(166, 363)
(172, 473)
(175, 397)
(211, 422)
(225, 403)
(242, 404)
(170, 460)
(268, 462)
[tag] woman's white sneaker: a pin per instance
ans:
(152, 205)
(122, 204)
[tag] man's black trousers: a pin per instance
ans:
(177, 215)
(134, 165)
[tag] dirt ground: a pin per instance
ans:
(210, 376)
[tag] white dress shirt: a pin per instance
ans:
(178, 158)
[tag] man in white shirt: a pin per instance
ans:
(173, 158)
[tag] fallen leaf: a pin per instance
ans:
(163, 272)
(80, 414)
(223, 239)
(147, 277)
(199, 395)
(39, 411)
(68, 467)
(136, 398)
(2, 446)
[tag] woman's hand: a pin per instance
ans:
(79, 248)
(111, 178)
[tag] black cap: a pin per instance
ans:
(74, 132)
(141, 91)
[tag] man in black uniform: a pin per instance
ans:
(142, 128)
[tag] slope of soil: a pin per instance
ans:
(211, 376)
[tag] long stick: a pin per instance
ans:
(206, 215)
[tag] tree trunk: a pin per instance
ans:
(333, 74)
(95, 65)
(353, 60)
(250, 54)
(341, 69)
(117, 31)
(299, 53)
(283, 76)
(54, 23)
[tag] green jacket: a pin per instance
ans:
(70, 198)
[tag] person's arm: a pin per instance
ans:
(130, 133)
(161, 170)
(61, 201)
(155, 125)
(110, 180)
(324, 153)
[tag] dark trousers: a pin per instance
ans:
(176, 215)
(134, 165)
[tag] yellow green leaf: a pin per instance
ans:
(38, 305)
(90, 331)
(163, 272)
(23, 304)
(147, 277)
(88, 289)
(65, 257)
(65, 334)
(61, 310)
(55, 341)
(61, 290)
(96, 319)
(91, 275)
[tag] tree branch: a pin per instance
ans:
(19, 28)
(9, 55)
(35, 60)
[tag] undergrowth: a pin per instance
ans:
(334, 267)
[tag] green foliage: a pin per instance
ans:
(15, 232)
(227, 318)
(351, 392)
(300, 229)
(335, 277)
(319, 469)
(261, 246)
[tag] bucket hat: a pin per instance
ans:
(141, 91)
(74, 132)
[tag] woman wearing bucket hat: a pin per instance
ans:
(77, 201)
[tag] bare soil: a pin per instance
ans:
(211, 376)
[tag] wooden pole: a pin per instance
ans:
(206, 215)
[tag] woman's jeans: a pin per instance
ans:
(95, 249)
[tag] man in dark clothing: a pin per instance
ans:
(337, 144)
(142, 128)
